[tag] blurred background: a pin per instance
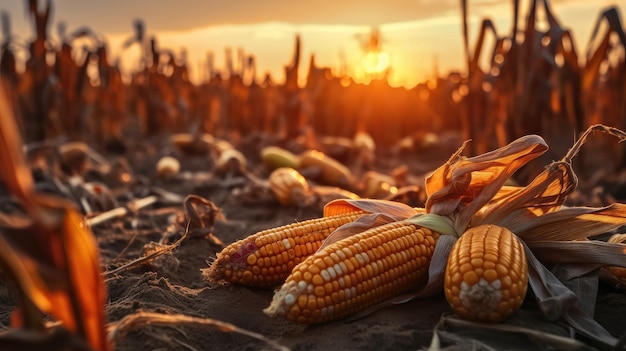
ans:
(410, 75)
(418, 38)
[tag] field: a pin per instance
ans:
(99, 237)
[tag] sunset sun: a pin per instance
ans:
(375, 63)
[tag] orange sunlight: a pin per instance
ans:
(375, 63)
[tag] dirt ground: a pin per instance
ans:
(173, 282)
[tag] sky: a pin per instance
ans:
(417, 35)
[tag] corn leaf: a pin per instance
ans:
(550, 341)
(581, 252)
(583, 281)
(87, 290)
(15, 173)
(558, 302)
(573, 223)
(546, 193)
(53, 262)
(61, 274)
(361, 224)
(553, 297)
(595, 59)
(379, 212)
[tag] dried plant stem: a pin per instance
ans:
(573, 151)
(130, 242)
(149, 257)
(119, 329)
(122, 211)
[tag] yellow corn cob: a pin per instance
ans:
(358, 272)
(290, 187)
(267, 257)
(486, 275)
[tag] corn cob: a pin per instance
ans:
(290, 187)
(486, 275)
(333, 172)
(167, 167)
(377, 185)
(276, 157)
(267, 257)
(355, 273)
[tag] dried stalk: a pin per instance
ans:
(141, 260)
(132, 206)
(129, 323)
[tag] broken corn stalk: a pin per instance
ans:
(267, 257)
(358, 272)
(487, 274)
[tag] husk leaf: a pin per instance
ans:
(462, 186)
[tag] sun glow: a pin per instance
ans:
(375, 63)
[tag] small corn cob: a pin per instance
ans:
(377, 185)
(167, 167)
(333, 172)
(486, 275)
(355, 273)
(267, 257)
(276, 157)
(290, 187)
